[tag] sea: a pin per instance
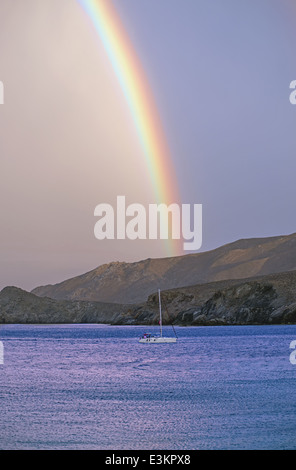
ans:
(95, 387)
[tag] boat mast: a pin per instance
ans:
(160, 319)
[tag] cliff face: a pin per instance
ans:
(134, 282)
(247, 304)
(264, 300)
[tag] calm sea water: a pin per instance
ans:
(96, 387)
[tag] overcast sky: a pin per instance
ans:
(220, 72)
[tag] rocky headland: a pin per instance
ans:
(250, 281)
(267, 299)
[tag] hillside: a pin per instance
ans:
(19, 306)
(267, 299)
(122, 282)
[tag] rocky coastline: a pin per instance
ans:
(267, 299)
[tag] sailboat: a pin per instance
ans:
(149, 338)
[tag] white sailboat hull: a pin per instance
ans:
(155, 339)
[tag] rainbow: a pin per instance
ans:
(139, 97)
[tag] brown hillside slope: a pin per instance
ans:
(133, 282)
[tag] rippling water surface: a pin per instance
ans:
(96, 387)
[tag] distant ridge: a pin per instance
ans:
(128, 283)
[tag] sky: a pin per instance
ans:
(219, 71)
